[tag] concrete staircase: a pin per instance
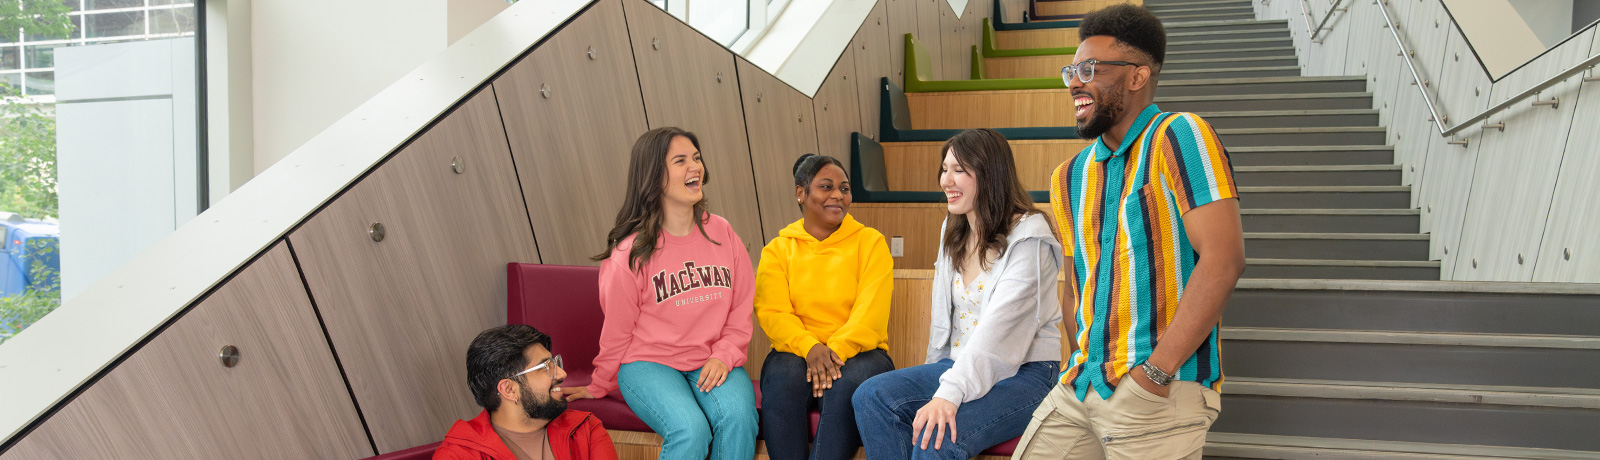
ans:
(1331, 367)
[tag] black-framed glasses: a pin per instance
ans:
(1085, 69)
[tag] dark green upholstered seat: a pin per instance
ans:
(871, 175)
(1001, 24)
(894, 123)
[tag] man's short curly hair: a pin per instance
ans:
(1131, 25)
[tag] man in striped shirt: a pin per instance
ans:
(1149, 216)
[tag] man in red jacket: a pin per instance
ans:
(518, 382)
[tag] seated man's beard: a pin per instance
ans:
(549, 409)
(1106, 111)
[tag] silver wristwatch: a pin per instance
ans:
(1155, 374)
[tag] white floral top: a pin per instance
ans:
(968, 302)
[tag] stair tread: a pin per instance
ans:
(1309, 148)
(1345, 263)
(1296, 79)
(1300, 130)
(1286, 113)
(1170, 62)
(1236, 69)
(1326, 188)
(1170, 36)
(1236, 50)
(1336, 236)
(1329, 212)
(1234, 444)
(1317, 168)
(1571, 342)
(1236, 97)
(1436, 286)
(1236, 40)
(1160, 6)
(1586, 398)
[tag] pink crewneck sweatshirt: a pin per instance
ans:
(690, 303)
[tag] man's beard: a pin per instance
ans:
(1107, 110)
(547, 410)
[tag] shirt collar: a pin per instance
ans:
(1104, 152)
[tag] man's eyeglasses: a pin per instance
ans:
(548, 365)
(1085, 69)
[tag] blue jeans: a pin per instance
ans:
(723, 419)
(786, 402)
(887, 404)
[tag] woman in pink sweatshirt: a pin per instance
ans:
(676, 286)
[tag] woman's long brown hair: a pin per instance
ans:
(641, 211)
(986, 155)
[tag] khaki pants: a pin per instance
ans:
(1133, 424)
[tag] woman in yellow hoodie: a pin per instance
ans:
(822, 296)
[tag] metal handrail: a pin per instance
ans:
(1438, 120)
(1305, 7)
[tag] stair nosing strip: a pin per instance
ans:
(1249, 80)
(1225, 60)
(1240, 69)
(1240, 50)
(1412, 338)
(1238, 40)
(1287, 113)
(1230, 22)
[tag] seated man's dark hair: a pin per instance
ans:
(1132, 26)
(497, 353)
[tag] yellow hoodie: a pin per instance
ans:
(834, 292)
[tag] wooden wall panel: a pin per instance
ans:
(991, 109)
(902, 20)
(955, 61)
(578, 138)
(929, 32)
(1025, 66)
(173, 399)
(915, 165)
(871, 46)
(401, 311)
(781, 128)
(1036, 38)
(1515, 178)
(917, 223)
(909, 317)
(838, 108)
(1064, 8)
(689, 81)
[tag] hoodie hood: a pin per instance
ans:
(848, 228)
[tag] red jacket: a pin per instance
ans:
(574, 435)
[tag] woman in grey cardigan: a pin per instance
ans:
(994, 348)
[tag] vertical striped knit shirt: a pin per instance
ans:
(1120, 216)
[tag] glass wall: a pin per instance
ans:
(98, 141)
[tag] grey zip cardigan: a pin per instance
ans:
(1017, 321)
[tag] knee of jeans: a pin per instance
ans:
(694, 434)
(738, 422)
(869, 395)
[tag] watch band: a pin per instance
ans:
(1155, 374)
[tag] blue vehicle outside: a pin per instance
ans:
(32, 262)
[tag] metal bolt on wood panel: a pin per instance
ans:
(458, 165)
(229, 356)
(1566, 254)
(591, 53)
(377, 231)
(655, 43)
(545, 90)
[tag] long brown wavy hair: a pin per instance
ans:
(986, 155)
(641, 211)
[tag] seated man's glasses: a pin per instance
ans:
(548, 365)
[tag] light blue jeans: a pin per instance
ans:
(723, 419)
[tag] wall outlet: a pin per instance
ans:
(897, 247)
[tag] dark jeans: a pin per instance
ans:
(786, 402)
(887, 404)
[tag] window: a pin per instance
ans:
(118, 154)
(722, 20)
